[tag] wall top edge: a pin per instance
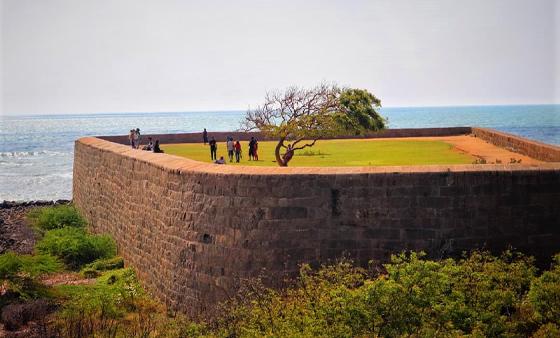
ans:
(182, 164)
(526, 140)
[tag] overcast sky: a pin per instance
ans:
(103, 56)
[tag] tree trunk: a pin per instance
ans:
(277, 153)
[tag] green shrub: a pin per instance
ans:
(75, 246)
(57, 217)
(90, 273)
(118, 277)
(549, 330)
(115, 306)
(107, 264)
(125, 283)
(19, 274)
(88, 312)
(545, 294)
(478, 296)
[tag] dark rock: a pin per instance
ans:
(8, 205)
(42, 203)
(62, 202)
(38, 203)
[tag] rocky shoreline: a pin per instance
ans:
(39, 203)
(15, 234)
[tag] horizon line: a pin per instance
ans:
(237, 110)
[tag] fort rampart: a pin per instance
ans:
(191, 228)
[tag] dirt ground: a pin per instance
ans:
(15, 234)
(476, 147)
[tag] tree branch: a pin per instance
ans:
(305, 145)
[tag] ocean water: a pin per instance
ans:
(36, 152)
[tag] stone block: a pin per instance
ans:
(434, 202)
(287, 212)
(420, 234)
(386, 234)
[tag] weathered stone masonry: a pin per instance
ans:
(190, 228)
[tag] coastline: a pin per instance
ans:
(31, 169)
(32, 203)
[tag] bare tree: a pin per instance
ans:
(306, 115)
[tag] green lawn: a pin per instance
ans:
(339, 153)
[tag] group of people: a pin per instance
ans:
(135, 138)
(233, 148)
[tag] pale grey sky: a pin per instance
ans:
(103, 56)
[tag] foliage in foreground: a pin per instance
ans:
(65, 244)
(66, 237)
(75, 246)
(107, 264)
(57, 217)
(115, 306)
(19, 275)
(478, 296)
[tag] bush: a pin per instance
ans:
(90, 273)
(115, 306)
(89, 312)
(19, 275)
(57, 217)
(75, 246)
(545, 294)
(107, 264)
(478, 296)
(125, 283)
(547, 331)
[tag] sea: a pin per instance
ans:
(36, 152)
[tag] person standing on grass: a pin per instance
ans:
(205, 136)
(213, 148)
(251, 148)
(256, 151)
(230, 149)
(237, 151)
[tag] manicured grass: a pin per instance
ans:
(339, 153)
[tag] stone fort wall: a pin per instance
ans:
(191, 228)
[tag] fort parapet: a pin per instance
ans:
(191, 228)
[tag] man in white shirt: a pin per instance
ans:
(230, 149)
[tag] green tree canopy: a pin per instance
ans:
(308, 114)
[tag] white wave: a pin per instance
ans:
(17, 164)
(67, 174)
(34, 153)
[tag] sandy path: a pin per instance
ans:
(476, 147)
